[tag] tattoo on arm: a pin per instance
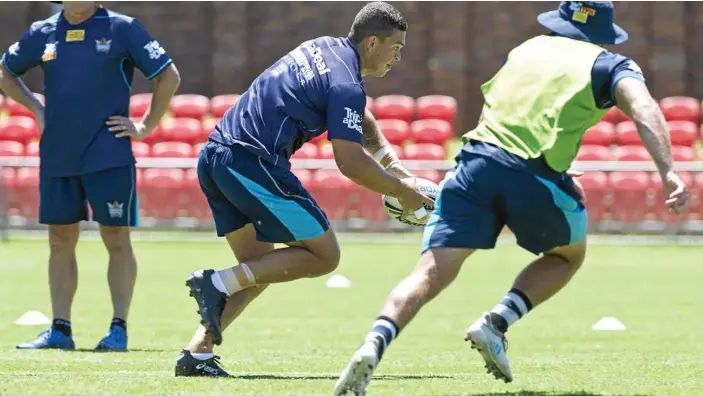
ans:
(373, 138)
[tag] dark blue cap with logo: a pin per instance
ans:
(591, 21)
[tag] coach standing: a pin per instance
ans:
(88, 55)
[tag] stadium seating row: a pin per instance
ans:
(400, 107)
(415, 151)
(24, 129)
(167, 193)
(683, 133)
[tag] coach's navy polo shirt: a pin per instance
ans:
(88, 70)
(315, 87)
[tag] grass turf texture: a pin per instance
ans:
(297, 337)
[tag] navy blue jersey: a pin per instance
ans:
(88, 70)
(315, 87)
(608, 69)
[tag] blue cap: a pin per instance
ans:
(591, 21)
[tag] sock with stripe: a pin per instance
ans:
(513, 307)
(383, 331)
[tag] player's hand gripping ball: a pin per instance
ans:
(396, 211)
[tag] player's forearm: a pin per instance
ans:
(165, 86)
(378, 146)
(654, 133)
(355, 164)
(16, 89)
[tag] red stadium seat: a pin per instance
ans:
(432, 175)
(20, 129)
(317, 140)
(631, 153)
(32, 149)
(171, 150)
(196, 204)
(369, 104)
(682, 153)
(307, 151)
(16, 109)
(139, 104)
(629, 203)
(186, 130)
(156, 136)
(189, 106)
(27, 190)
(140, 149)
(601, 134)
(626, 134)
(10, 148)
(221, 103)
(440, 107)
(159, 187)
(396, 131)
(683, 133)
(305, 176)
(399, 107)
(595, 185)
(614, 116)
(331, 191)
(326, 152)
(425, 151)
(2, 101)
(680, 108)
(197, 148)
(657, 200)
(594, 153)
(207, 127)
(431, 131)
(8, 190)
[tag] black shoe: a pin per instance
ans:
(188, 366)
(211, 302)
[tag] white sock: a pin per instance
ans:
(202, 356)
(512, 307)
(217, 282)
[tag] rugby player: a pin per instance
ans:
(514, 171)
(256, 201)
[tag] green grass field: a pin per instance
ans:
(298, 336)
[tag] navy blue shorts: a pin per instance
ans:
(480, 196)
(241, 189)
(112, 194)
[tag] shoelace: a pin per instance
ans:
(216, 362)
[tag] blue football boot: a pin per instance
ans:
(114, 340)
(50, 339)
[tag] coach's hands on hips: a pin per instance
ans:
(675, 192)
(127, 128)
(410, 199)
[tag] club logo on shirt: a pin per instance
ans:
(352, 120)
(75, 35)
(154, 49)
(102, 45)
(115, 209)
(49, 52)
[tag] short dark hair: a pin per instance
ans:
(376, 19)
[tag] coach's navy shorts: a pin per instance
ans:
(241, 188)
(112, 194)
(480, 196)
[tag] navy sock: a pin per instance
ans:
(384, 331)
(62, 325)
(119, 322)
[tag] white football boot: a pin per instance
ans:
(492, 345)
(357, 375)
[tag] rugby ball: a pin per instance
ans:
(395, 210)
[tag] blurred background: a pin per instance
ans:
(427, 100)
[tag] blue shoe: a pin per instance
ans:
(50, 339)
(115, 340)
